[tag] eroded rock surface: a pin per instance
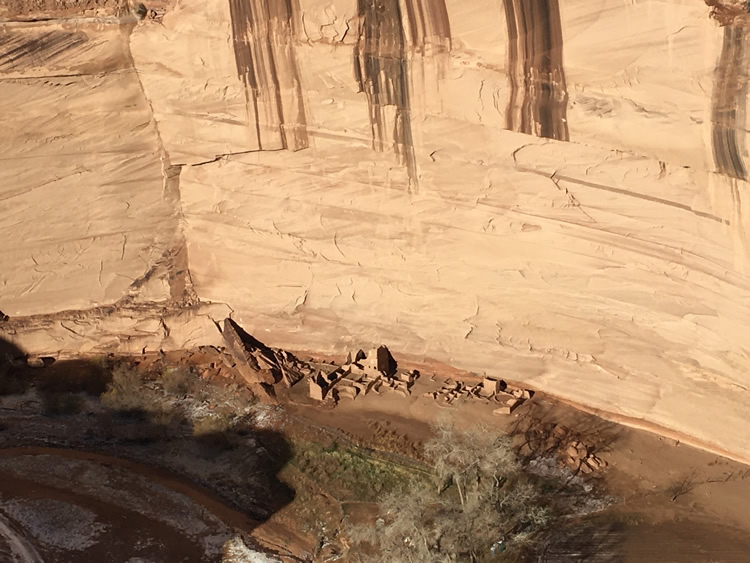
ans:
(552, 191)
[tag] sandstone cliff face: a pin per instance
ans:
(552, 191)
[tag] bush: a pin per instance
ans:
(180, 381)
(125, 391)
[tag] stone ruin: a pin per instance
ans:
(376, 371)
(495, 391)
(362, 373)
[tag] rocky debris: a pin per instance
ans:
(34, 362)
(30, 10)
(569, 447)
(246, 357)
(3, 317)
(256, 362)
(155, 11)
(578, 456)
(37, 361)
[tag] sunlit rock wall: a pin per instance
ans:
(548, 191)
(85, 210)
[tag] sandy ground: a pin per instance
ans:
(177, 502)
(708, 521)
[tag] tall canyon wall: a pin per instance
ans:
(551, 191)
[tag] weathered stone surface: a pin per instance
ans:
(317, 392)
(491, 386)
(593, 242)
(246, 362)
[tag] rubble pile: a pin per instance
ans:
(376, 371)
(558, 441)
(578, 457)
(257, 363)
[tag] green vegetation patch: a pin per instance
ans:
(350, 475)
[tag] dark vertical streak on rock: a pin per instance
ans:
(538, 93)
(241, 17)
(428, 29)
(262, 37)
(382, 72)
(287, 80)
(411, 19)
(385, 43)
(297, 104)
(728, 104)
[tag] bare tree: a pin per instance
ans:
(479, 497)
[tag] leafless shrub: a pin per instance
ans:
(180, 381)
(125, 391)
(682, 486)
(480, 497)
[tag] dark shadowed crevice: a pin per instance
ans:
(262, 37)
(728, 103)
(539, 96)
